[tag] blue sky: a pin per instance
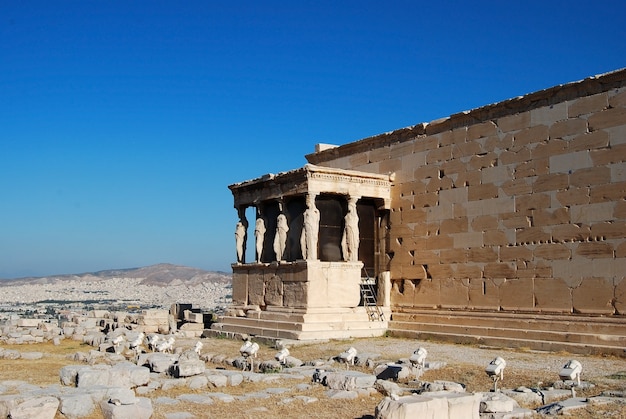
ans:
(122, 123)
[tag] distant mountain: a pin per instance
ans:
(161, 274)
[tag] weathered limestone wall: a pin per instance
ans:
(517, 206)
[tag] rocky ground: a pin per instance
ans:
(291, 392)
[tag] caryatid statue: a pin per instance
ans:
(350, 239)
(259, 235)
(280, 239)
(241, 236)
(310, 229)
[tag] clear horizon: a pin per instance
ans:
(122, 124)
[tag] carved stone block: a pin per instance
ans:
(594, 296)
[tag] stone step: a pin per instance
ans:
(260, 323)
(506, 332)
(361, 323)
(538, 345)
(570, 324)
(296, 335)
(312, 317)
(573, 333)
(256, 331)
(356, 326)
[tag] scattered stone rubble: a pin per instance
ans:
(92, 326)
(118, 379)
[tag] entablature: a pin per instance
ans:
(315, 180)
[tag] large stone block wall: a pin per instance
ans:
(518, 206)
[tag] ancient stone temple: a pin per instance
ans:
(505, 224)
(319, 269)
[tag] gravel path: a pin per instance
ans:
(393, 348)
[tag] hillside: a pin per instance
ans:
(162, 274)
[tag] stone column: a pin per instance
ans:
(350, 239)
(310, 229)
(384, 289)
(241, 235)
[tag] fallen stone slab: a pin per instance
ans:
(188, 368)
(31, 355)
(11, 354)
(69, 373)
(121, 396)
(241, 363)
(93, 376)
(152, 386)
(141, 409)
(198, 382)
(342, 394)
(76, 405)
(8, 402)
(568, 384)
(270, 366)
(38, 333)
(303, 387)
(365, 359)
(179, 415)
(554, 395)
(565, 407)
(159, 362)
(196, 398)
(21, 387)
(461, 404)
(191, 330)
(291, 362)
(388, 388)
(525, 396)
(235, 378)
(442, 385)
(348, 380)
(255, 395)
(497, 403)
(222, 397)
(106, 347)
(49, 327)
(171, 383)
(94, 338)
(218, 380)
(36, 408)
(442, 405)
(276, 390)
(105, 393)
(392, 372)
(293, 374)
(303, 399)
(166, 400)
(129, 375)
(28, 322)
(255, 377)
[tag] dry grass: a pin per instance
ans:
(45, 371)
(42, 371)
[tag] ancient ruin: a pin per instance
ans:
(505, 224)
(319, 260)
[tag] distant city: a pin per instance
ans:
(156, 286)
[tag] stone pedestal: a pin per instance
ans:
(305, 300)
(301, 284)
